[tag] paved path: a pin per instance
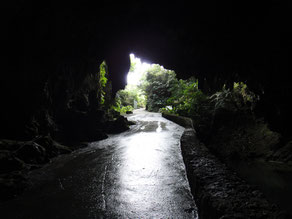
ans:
(135, 174)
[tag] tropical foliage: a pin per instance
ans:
(132, 95)
(102, 81)
(158, 84)
(160, 90)
(121, 109)
(186, 97)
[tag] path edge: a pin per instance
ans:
(219, 192)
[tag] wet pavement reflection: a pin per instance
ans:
(135, 174)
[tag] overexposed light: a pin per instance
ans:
(132, 56)
(159, 129)
(135, 76)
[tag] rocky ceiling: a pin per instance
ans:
(215, 41)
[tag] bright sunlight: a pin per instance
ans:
(137, 70)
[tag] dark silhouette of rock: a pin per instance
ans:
(32, 153)
(19, 157)
(219, 191)
(52, 147)
(117, 126)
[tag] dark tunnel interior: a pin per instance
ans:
(219, 43)
(52, 51)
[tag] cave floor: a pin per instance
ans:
(136, 174)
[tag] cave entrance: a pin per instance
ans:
(146, 86)
(134, 96)
(138, 70)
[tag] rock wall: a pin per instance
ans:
(218, 191)
(60, 45)
(51, 53)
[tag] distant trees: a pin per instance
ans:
(130, 95)
(158, 84)
(160, 90)
(168, 94)
(185, 97)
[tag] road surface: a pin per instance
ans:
(135, 174)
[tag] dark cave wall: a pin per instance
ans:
(49, 51)
(48, 58)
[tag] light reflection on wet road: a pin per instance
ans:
(136, 174)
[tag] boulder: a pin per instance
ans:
(52, 147)
(32, 153)
(48, 143)
(77, 126)
(283, 154)
(117, 126)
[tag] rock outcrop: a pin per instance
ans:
(55, 47)
(19, 157)
(218, 191)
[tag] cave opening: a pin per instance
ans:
(137, 69)
(148, 86)
(52, 94)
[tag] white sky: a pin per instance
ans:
(133, 78)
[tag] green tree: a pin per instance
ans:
(129, 95)
(104, 86)
(133, 61)
(184, 96)
(157, 85)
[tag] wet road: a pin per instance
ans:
(136, 174)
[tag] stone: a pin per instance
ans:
(32, 153)
(218, 191)
(283, 154)
(117, 126)
(48, 143)
(52, 147)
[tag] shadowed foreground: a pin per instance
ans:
(139, 173)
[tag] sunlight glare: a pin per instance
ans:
(140, 68)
